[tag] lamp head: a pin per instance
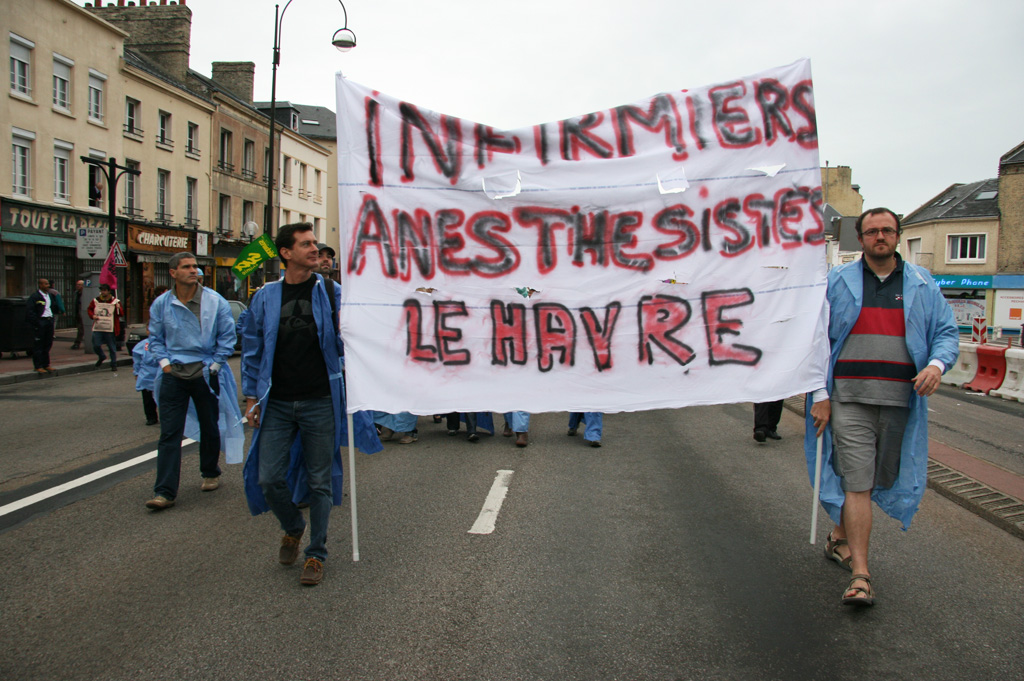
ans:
(344, 39)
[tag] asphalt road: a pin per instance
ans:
(679, 550)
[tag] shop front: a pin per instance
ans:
(149, 249)
(998, 298)
(40, 242)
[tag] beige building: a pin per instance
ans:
(971, 237)
(838, 191)
(64, 102)
(303, 173)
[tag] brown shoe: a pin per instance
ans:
(312, 572)
(41, 371)
(210, 484)
(520, 439)
(289, 552)
(159, 503)
(507, 431)
(408, 439)
(51, 370)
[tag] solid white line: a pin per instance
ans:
(492, 504)
(84, 480)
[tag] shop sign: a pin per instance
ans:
(961, 281)
(155, 239)
(47, 221)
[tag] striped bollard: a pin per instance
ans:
(979, 330)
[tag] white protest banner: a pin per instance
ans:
(664, 253)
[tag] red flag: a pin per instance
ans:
(109, 273)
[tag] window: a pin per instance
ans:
(96, 180)
(317, 196)
(164, 133)
(316, 229)
(21, 65)
(286, 174)
(62, 82)
(191, 189)
(966, 248)
(224, 223)
(21, 162)
(132, 116)
(913, 251)
(163, 194)
(266, 164)
(249, 160)
(62, 171)
(302, 181)
(192, 145)
(131, 190)
(294, 121)
(225, 152)
(986, 195)
(248, 212)
(96, 80)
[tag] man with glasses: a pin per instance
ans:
(893, 335)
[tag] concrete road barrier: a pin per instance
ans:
(991, 369)
(1013, 385)
(965, 368)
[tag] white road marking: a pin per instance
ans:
(84, 480)
(492, 504)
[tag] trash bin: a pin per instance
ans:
(15, 333)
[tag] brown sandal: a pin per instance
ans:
(860, 595)
(830, 552)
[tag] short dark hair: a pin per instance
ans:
(286, 236)
(177, 258)
(104, 287)
(877, 211)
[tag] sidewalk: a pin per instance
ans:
(994, 493)
(62, 358)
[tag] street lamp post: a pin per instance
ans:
(112, 173)
(344, 39)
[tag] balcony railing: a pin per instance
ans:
(225, 167)
(165, 141)
(164, 217)
(131, 211)
(133, 130)
(249, 174)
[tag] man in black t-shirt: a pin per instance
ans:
(291, 367)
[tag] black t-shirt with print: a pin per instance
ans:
(299, 372)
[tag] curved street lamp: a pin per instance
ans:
(344, 39)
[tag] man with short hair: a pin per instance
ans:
(291, 377)
(326, 255)
(39, 315)
(893, 335)
(105, 311)
(191, 336)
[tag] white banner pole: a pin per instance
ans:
(817, 489)
(352, 487)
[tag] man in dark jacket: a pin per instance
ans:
(39, 315)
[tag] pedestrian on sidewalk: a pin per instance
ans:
(76, 314)
(39, 315)
(105, 311)
(191, 335)
(295, 398)
(893, 335)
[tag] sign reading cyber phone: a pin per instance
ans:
(158, 240)
(658, 254)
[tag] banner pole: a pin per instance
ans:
(352, 487)
(817, 489)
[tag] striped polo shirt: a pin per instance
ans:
(874, 366)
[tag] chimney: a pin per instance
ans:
(163, 32)
(236, 77)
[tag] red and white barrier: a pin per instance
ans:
(1013, 385)
(979, 330)
(965, 368)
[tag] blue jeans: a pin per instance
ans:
(313, 421)
(593, 420)
(101, 338)
(173, 402)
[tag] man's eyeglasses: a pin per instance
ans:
(885, 231)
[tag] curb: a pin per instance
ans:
(1002, 510)
(66, 370)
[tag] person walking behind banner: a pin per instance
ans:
(517, 422)
(594, 422)
(291, 377)
(105, 311)
(191, 336)
(76, 314)
(146, 368)
(453, 419)
(766, 420)
(39, 315)
(893, 335)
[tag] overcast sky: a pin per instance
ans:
(913, 95)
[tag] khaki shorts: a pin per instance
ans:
(867, 440)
